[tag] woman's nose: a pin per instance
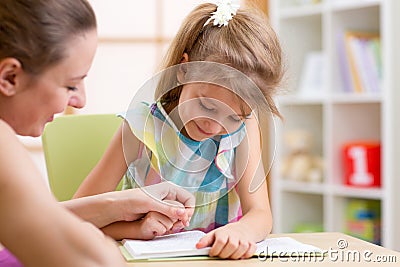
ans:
(78, 98)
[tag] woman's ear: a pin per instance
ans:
(9, 68)
(183, 68)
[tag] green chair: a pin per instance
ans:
(72, 146)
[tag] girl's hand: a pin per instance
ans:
(154, 224)
(229, 242)
(179, 225)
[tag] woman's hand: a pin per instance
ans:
(229, 242)
(133, 204)
(165, 198)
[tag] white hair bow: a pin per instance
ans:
(226, 9)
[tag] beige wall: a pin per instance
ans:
(134, 36)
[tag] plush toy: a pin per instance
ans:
(300, 164)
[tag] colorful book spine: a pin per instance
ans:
(360, 62)
(347, 79)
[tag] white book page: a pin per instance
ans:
(184, 244)
(185, 241)
(284, 245)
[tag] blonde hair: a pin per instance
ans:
(248, 43)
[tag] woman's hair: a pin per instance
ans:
(248, 43)
(37, 32)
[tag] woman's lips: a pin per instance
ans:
(50, 119)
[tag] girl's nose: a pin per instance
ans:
(213, 127)
(78, 98)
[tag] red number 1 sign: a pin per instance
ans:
(362, 164)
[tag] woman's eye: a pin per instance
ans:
(72, 88)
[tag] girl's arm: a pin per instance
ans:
(237, 240)
(252, 188)
(33, 226)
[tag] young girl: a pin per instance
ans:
(202, 132)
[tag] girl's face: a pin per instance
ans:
(39, 98)
(208, 110)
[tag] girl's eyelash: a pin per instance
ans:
(235, 119)
(212, 109)
(206, 108)
(72, 88)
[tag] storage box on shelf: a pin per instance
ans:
(336, 116)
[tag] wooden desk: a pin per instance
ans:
(356, 252)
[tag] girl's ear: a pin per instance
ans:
(9, 68)
(185, 58)
(182, 69)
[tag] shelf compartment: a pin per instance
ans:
(343, 5)
(301, 100)
(301, 11)
(349, 191)
(310, 29)
(302, 117)
(349, 98)
(302, 187)
(353, 122)
(298, 209)
(364, 20)
(359, 217)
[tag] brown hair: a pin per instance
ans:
(37, 32)
(248, 43)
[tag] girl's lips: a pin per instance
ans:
(203, 132)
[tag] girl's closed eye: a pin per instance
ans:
(72, 88)
(205, 107)
(235, 118)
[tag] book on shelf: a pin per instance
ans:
(311, 82)
(182, 246)
(360, 61)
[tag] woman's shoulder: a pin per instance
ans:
(4, 125)
(10, 144)
(6, 132)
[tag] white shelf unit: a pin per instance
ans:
(334, 117)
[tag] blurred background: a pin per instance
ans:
(134, 36)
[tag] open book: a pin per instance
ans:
(184, 245)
